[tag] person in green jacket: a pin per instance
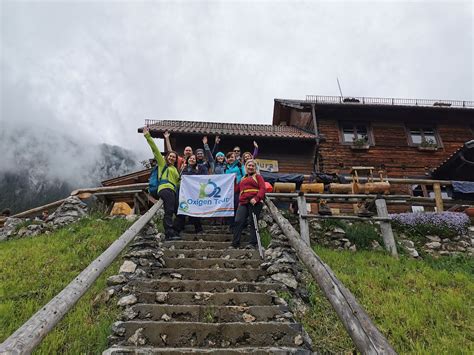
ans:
(168, 181)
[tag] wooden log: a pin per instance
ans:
(284, 187)
(141, 201)
(117, 193)
(350, 218)
(367, 338)
(312, 188)
(340, 188)
(141, 186)
(304, 225)
(330, 196)
(386, 227)
(39, 209)
(407, 181)
(30, 334)
(438, 197)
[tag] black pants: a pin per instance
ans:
(169, 203)
(231, 220)
(244, 214)
(180, 221)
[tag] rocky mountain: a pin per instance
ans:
(48, 172)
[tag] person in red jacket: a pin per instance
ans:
(251, 195)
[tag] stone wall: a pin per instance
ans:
(336, 238)
(70, 211)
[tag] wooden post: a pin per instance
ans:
(30, 334)
(438, 197)
(367, 338)
(302, 212)
(386, 227)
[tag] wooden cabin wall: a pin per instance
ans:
(293, 156)
(390, 149)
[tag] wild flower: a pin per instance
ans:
(441, 223)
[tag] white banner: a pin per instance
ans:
(207, 195)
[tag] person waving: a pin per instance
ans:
(168, 181)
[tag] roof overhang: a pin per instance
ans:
(459, 166)
(250, 131)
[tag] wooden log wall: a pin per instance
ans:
(391, 148)
(293, 156)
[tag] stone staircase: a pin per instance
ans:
(204, 298)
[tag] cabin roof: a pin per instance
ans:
(227, 129)
(459, 165)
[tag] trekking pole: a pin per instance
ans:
(255, 224)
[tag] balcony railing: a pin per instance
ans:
(388, 101)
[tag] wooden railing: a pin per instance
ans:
(30, 334)
(366, 336)
(388, 101)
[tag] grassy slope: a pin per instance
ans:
(33, 270)
(422, 306)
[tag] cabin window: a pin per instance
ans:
(423, 136)
(351, 132)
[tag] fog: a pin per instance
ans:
(91, 72)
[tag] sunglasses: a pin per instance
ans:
(236, 150)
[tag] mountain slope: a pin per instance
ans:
(51, 174)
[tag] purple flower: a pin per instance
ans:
(450, 223)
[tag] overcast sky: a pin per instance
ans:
(97, 69)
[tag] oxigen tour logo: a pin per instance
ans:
(183, 206)
(209, 189)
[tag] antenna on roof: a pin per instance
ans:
(339, 85)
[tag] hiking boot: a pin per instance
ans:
(251, 246)
(364, 212)
(324, 210)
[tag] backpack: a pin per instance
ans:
(154, 181)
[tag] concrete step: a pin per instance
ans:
(210, 335)
(210, 313)
(128, 350)
(202, 286)
(209, 274)
(209, 253)
(213, 263)
(207, 298)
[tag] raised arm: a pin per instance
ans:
(255, 149)
(215, 149)
(207, 150)
(156, 152)
(167, 141)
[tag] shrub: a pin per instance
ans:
(362, 235)
(446, 224)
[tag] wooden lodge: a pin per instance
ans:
(406, 138)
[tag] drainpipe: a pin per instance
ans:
(316, 132)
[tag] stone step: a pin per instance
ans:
(210, 237)
(209, 335)
(207, 298)
(189, 244)
(209, 274)
(209, 253)
(128, 350)
(210, 313)
(213, 263)
(202, 286)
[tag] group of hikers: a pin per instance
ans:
(249, 191)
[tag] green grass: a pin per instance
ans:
(34, 270)
(421, 306)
